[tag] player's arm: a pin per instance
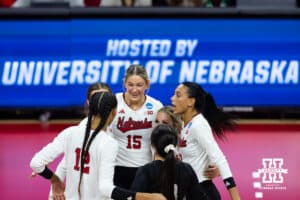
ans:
(149, 196)
(50, 152)
(61, 172)
(217, 157)
(212, 172)
(58, 188)
(120, 193)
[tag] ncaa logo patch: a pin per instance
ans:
(149, 105)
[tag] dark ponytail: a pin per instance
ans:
(101, 104)
(164, 140)
(205, 104)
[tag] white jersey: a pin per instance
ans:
(132, 129)
(97, 179)
(199, 148)
(83, 122)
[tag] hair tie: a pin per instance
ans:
(169, 147)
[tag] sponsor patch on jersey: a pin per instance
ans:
(149, 105)
(149, 112)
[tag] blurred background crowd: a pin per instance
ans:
(149, 3)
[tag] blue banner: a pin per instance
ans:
(242, 62)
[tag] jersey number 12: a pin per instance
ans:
(86, 169)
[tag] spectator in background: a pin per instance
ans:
(126, 3)
(194, 3)
(84, 3)
(182, 3)
(220, 3)
(72, 3)
(6, 3)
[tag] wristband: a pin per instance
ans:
(229, 183)
(46, 173)
(120, 193)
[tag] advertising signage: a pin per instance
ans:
(242, 62)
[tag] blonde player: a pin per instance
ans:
(133, 125)
(89, 156)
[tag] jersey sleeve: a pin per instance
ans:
(140, 181)
(49, 152)
(107, 158)
(207, 141)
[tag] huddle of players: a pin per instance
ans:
(129, 145)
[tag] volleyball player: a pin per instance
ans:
(166, 115)
(175, 179)
(201, 118)
(133, 125)
(95, 87)
(89, 156)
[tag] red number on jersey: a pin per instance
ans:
(86, 169)
(134, 141)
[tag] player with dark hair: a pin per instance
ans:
(166, 115)
(90, 156)
(166, 174)
(92, 89)
(202, 118)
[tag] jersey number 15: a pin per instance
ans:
(134, 141)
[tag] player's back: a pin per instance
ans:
(98, 163)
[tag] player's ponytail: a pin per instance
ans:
(101, 104)
(205, 104)
(164, 140)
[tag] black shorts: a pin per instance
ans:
(124, 176)
(211, 190)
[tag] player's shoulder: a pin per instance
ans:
(184, 165)
(200, 121)
(83, 122)
(68, 132)
(119, 95)
(107, 138)
(70, 129)
(153, 101)
(151, 167)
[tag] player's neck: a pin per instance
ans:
(158, 157)
(188, 116)
(134, 105)
(95, 123)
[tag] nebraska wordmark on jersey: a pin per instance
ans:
(132, 129)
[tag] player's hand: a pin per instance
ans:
(58, 188)
(32, 175)
(212, 172)
(158, 196)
